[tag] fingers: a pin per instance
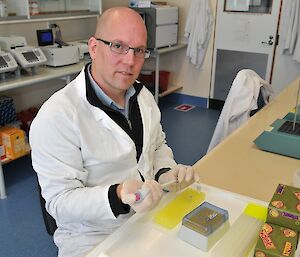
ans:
(152, 198)
(129, 199)
(186, 173)
(167, 177)
(131, 186)
(128, 190)
(196, 176)
(155, 191)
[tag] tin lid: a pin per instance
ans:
(205, 219)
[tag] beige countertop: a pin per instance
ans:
(237, 165)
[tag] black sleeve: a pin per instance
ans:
(161, 171)
(116, 205)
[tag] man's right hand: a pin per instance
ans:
(129, 188)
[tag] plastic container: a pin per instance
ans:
(147, 77)
(172, 213)
(163, 79)
(240, 238)
(204, 226)
(33, 7)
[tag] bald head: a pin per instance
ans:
(119, 16)
(113, 69)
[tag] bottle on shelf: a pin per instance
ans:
(33, 7)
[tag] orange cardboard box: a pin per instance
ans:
(13, 140)
(2, 152)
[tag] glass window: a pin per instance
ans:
(249, 6)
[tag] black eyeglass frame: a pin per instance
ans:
(127, 48)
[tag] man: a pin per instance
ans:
(98, 141)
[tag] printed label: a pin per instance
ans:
(280, 189)
(290, 216)
(264, 235)
(287, 249)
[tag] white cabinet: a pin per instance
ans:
(30, 10)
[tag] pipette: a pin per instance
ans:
(142, 193)
(296, 108)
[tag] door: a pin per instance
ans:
(245, 38)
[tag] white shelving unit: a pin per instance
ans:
(19, 11)
(43, 74)
(48, 10)
(157, 54)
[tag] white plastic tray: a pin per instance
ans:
(141, 236)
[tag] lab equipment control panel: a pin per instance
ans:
(26, 56)
(29, 57)
(7, 62)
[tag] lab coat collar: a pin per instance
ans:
(87, 92)
(94, 100)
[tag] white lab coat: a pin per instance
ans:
(242, 98)
(78, 151)
(197, 31)
(291, 29)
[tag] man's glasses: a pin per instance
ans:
(120, 48)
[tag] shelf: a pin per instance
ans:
(63, 16)
(21, 11)
(43, 73)
(39, 18)
(7, 160)
(168, 49)
(156, 53)
(12, 19)
(170, 90)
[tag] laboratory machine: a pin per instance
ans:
(284, 137)
(162, 25)
(7, 63)
(57, 54)
(82, 46)
(26, 56)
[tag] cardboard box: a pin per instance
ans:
(284, 208)
(13, 140)
(2, 152)
(276, 241)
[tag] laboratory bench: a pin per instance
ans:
(142, 236)
(233, 174)
(237, 165)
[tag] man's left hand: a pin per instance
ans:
(182, 174)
